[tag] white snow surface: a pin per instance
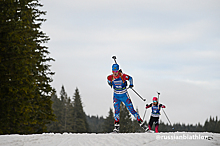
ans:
(109, 139)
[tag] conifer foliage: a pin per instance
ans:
(66, 111)
(125, 119)
(109, 122)
(56, 126)
(25, 76)
(70, 116)
(96, 124)
(63, 109)
(79, 117)
(210, 125)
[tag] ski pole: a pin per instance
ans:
(138, 95)
(164, 111)
(168, 119)
(144, 114)
(114, 57)
(158, 96)
(128, 95)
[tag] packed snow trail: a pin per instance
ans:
(120, 139)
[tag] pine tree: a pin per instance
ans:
(69, 118)
(25, 90)
(95, 124)
(66, 109)
(56, 126)
(109, 122)
(218, 127)
(209, 125)
(199, 128)
(64, 100)
(100, 125)
(162, 127)
(125, 120)
(135, 125)
(80, 124)
(63, 110)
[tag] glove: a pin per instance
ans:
(130, 86)
(147, 106)
(163, 106)
(120, 71)
(126, 84)
(110, 84)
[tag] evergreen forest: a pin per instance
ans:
(65, 121)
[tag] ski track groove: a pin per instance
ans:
(63, 141)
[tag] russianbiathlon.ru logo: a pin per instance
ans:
(183, 137)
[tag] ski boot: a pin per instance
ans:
(143, 125)
(116, 129)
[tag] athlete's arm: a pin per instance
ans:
(109, 79)
(147, 106)
(129, 78)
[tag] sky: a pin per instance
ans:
(171, 47)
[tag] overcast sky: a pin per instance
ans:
(168, 46)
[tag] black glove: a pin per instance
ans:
(120, 71)
(130, 86)
(110, 84)
(126, 84)
(147, 106)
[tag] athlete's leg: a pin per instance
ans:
(130, 107)
(150, 123)
(156, 124)
(116, 103)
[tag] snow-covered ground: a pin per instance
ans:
(121, 139)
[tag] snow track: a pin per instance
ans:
(121, 139)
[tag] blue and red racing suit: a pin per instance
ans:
(119, 84)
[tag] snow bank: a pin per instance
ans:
(121, 139)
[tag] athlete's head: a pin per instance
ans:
(155, 100)
(115, 69)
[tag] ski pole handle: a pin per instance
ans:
(114, 57)
(158, 96)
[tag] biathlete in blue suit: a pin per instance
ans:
(118, 81)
